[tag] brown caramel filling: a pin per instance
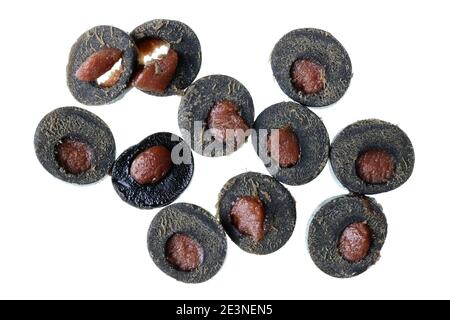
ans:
(157, 69)
(184, 252)
(75, 157)
(100, 67)
(248, 215)
(286, 151)
(355, 241)
(151, 165)
(308, 76)
(375, 166)
(226, 124)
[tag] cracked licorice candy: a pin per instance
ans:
(346, 235)
(100, 66)
(292, 142)
(169, 57)
(75, 145)
(215, 115)
(155, 172)
(311, 67)
(257, 212)
(372, 156)
(187, 243)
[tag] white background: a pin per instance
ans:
(62, 241)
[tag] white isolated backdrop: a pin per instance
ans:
(62, 241)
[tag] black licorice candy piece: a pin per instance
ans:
(75, 145)
(182, 39)
(327, 238)
(162, 188)
(278, 205)
(372, 156)
(308, 132)
(311, 67)
(93, 42)
(203, 251)
(230, 98)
